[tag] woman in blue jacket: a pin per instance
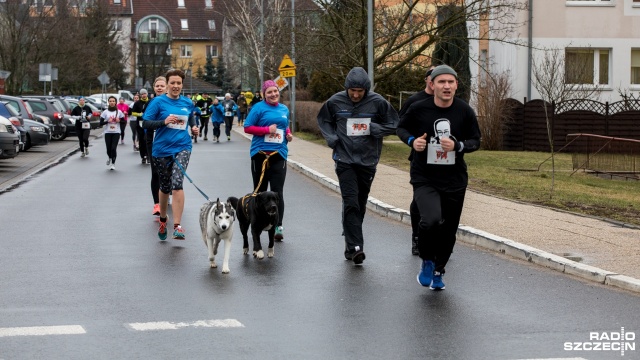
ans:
(217, 117)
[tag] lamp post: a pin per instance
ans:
(190, 79)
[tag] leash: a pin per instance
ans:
(191, 181)
(265, 166)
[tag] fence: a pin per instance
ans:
(604, 155)
(527, 129)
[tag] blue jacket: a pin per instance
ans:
(217, 113)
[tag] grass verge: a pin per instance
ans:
(515, 175)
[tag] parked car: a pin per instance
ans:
(60, 100)
(105, 97)
(37, 134)
(9, 139)
(46, 108)
(95, 112)
(19, 105)
(97, 103)
(12, 115)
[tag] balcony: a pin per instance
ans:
(154, 38)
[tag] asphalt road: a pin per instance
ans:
(84, 276)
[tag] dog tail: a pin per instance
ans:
(234, 202)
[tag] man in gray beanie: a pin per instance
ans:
(440, 130)
(353, 122)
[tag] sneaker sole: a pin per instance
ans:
(358, 258)
(436, 288)
(278, 237)
(179, 238)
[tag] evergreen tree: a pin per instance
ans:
(209, 71)
(453, 47)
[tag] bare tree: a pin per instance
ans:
(405, 32)
(494, 110)
(260, 27)
(558, 81)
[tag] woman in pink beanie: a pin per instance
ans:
(268, 122)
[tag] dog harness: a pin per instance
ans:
(265, 166)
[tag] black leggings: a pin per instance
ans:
(142, 142)
(123, 127)
(111, 140)
(228, 122)
(440, 213)
(204, 126)
(155, 179)
(274, 177)
(83, 137)
(133, 124)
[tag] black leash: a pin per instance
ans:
(191, 181)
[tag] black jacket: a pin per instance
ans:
(339, 112)
(77, 111)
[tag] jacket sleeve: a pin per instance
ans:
(404, 131)
(472, 135)
(327, 125)
(388, 120)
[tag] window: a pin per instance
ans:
(181, 3)
(116, 1)
(591, 2)
(212, 24)
(185, 51)
(635, 66)
(207, 4)
(587, 66)
(184, 24)
(116, 25)
(212, 50)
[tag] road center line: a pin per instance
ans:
(42, 330)
(166, 325)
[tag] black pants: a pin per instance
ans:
(414, 213)
(216, 129)
(142, 142)
(274, 177)
(155, 179)
(204, 126)
(440, 213)
(123, 127)
(83, 137)
(228, 122)
(133, 124)
(111, 140)
(355, 185)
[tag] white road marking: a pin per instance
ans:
(42, 330)
(574, 358)
(166, 325)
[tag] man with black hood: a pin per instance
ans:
(353, 122)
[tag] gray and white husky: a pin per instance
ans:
(216, 223)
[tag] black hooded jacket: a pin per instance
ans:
(372, 118)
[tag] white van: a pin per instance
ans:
(127, 95)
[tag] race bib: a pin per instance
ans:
(437, 156)
(228, 113)
(86, 125)
(113, 127)
(358, 127)
(277, 138)
(204, 112)
(181, 124)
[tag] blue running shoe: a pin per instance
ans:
(162, 231)
(426, 273)
(178, 233)
(437, 283)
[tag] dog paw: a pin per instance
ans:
(215, 252)
(245, 251)
(270, 252)
(214, 265)
(258, 254)
(225, 271)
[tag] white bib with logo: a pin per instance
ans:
(358, 127)
(181, 124)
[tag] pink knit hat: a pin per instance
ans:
(267, 84)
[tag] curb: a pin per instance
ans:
(488, 241)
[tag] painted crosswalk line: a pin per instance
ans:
(166, 325)
(42, 330)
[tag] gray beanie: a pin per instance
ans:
(143, 91)
(443, 69)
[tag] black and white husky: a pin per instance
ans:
(216, 223)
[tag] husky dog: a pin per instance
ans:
(258, 213)
(216, 223)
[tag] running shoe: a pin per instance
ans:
(113, 167)
(162, 231)
(178, 233)
(108, 162)
(86, 151)
(82, 154)
(156, 209)
(279, 233)
(437, 283)
(228, 138)
(426, 273)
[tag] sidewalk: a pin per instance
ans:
(605, 252)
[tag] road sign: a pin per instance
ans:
(103, 78)
(281, 82)
(287, 68)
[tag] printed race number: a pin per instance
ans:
(358, 127)
(277, 138)
(181, 124)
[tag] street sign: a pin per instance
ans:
(281, 82)
(287, 68)
(4, 74)
(103, 78)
